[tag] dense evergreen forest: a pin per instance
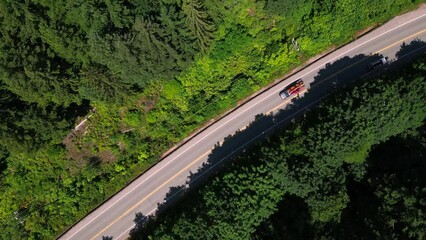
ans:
(147, 73)
(388, 202)
(358, 173)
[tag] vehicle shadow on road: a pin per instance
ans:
(405, 55)
(325, 83)
(334, 77)
(260, 128)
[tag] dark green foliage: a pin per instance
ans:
(387, 203)
(395, 181)
(26, 127)
(198, 23)
(150, 72)
(3, 155)
(49, 49)
(310, 165)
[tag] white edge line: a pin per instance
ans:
(133, 225)
(241, 147)
(245, 144)
(234, 118)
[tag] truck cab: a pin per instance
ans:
(293, 88)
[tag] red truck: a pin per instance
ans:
(294, 88)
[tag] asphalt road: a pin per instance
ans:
(400, 39)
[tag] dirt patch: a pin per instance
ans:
(251, 12)
(145, 104)
(107, 156)
(76, 150)
(81, 153)
(122, 146)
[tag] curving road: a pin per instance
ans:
(115, 218)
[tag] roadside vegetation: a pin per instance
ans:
(147, 73)
(352, 168)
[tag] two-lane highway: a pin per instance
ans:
(115, 218)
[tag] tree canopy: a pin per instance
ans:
(137, 77)
(322, 164)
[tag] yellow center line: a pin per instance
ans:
(347, 67)
(316, 84)
(283, 103)
(204, 154)
(150, 194)
(395, 43)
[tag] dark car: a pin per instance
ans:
(294, 88)
(378, 63)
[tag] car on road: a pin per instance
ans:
(378, 63)
(294, 88)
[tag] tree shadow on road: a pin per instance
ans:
(141, 221)
(260, 128)
(414, 47)
(405, 55)
(332, 78)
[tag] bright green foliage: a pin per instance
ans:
(147, 73)
(312, 160)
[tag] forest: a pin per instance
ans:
(356, 174)
(141, 76)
